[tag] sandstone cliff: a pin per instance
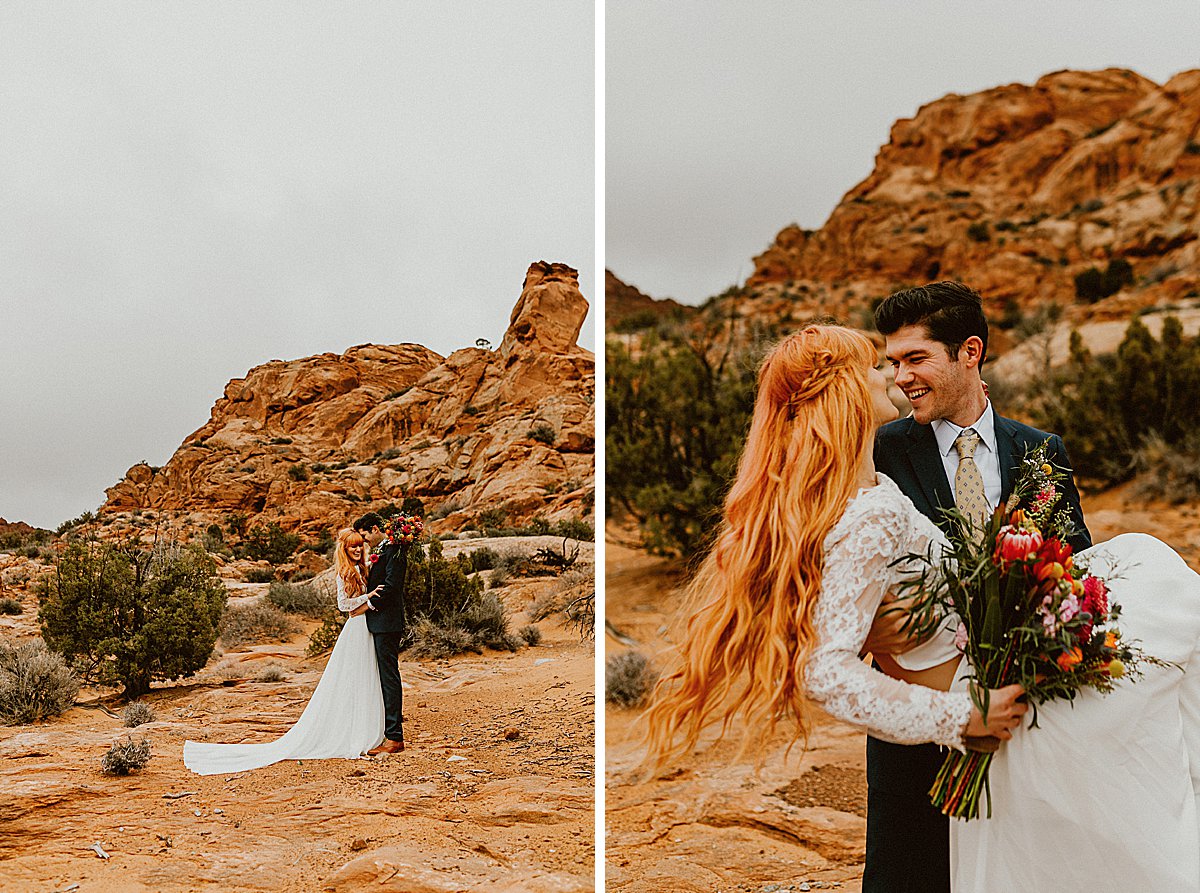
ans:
(313, 443)
(1015, 190)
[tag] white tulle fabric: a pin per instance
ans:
(344, 718)
(879, 525)
(1102, 796)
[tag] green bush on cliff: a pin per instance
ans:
(130, 615)
(271, 542)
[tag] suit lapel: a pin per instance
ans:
(1006, 453)
(926, 461)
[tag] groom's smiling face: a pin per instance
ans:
(937, 384)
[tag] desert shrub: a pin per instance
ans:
(441, 592)
(325, 636)
(542, 433)
(301, 598)
(137, 713)
(628, 678)
(433, 640)
(128, 615)
(272, 543)
(298, 472)
(30, 551)
(1106, 408)
(676, 414)
(259, 575)
(10, 606)
(236, 523)
(530, 633)
(483, 559)
(575, 528)
(255, 622)
(978, 231)
(1092, 285)
(498, 577)
(271, 673)
(412, 505)
(491, 518)
(35, 683)
(545, 603)
(1169, 472)
(125, 757)
(280, 441)
(449, 507)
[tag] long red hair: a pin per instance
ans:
(749, 630)
(353, 573)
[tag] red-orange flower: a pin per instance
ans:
(1068, 660)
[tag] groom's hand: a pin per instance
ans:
(887, 634)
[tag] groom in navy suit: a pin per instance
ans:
(388, 625)
(952, 451)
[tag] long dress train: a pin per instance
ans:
(344, 717)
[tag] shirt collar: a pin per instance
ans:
(946, 432)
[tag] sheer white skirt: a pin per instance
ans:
(1102, 795)
(344, 718)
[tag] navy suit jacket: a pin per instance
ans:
(390, 571)
(907, 452)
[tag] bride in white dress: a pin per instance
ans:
(1102, 796)
(344, 718)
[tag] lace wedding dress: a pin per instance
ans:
(1102, 795)
(344, 717)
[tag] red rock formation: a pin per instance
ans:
(1015, 190)
(315, 442)
(626, 304)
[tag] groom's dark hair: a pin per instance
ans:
(368, 521)
(950, 311)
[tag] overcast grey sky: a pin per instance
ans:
(189, 189)
(726, 121)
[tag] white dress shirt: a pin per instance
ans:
(986, 457)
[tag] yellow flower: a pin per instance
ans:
(1116, 668)
(1047, 469)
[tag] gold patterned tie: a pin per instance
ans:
(969, 494)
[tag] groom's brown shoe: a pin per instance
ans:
(388, 746)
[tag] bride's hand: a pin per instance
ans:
(361, 609)
(1004, 713)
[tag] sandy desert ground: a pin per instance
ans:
(495, 791)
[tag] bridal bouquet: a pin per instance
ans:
(1028, 613)
(404, 529)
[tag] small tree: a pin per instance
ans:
(132, 616)
(271, 542)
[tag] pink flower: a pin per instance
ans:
(960, 637)
(1016, 544)
(1044, 497)
(1068, 609)
(1095, 597)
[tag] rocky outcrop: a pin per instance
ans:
(1015, 190)
(313, 443)
(626, 306)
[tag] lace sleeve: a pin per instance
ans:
(856, 575)
(347, 603)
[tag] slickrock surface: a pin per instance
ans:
(495, 791)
